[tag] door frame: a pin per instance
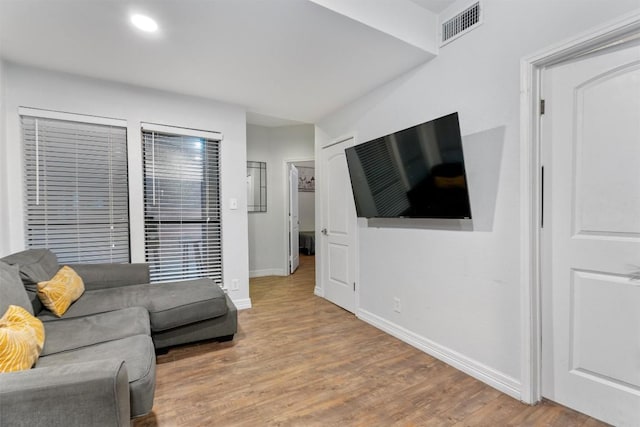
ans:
(320, 256)
(531, 69)
(285, 183)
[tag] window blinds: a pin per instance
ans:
(183, 234)
(76, 189)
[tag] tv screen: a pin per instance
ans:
(414, 173)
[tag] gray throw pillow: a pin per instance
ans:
(36, 265)
(12, 291)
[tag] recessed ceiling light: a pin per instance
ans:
(144, 23)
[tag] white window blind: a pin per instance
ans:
(76, 189)
(183, 232)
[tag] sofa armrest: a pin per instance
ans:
(81, 394)
(100, 276)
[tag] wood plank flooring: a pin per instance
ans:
(299, 360)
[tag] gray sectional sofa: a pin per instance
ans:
(97, 366)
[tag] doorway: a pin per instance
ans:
(300, 213)
(581, 111)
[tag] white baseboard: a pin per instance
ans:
(490, 376)
(242, 304)
(318, 292)
(267, 272)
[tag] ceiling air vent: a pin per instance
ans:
(461, 23)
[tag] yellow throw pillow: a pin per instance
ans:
(21, 339)
(58, 293)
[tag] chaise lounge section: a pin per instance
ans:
(103, 345)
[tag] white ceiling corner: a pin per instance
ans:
(270, 121)
(435, 6)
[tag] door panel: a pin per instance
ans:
(338, 216)
(602, 169)
(339, 228)
(338, 268)
(591, 236)
(603, 305)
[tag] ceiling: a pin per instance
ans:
(435, 6)
(284, 61)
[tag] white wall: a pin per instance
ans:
(30, 87)
(307, 212)
(4, 181)
(460, 290)
(268, 240)
(306, 203)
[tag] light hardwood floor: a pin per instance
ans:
(299, 360)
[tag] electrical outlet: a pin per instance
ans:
(234, 285)
(396, 305)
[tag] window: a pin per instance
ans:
(76, 187)
(183, 231)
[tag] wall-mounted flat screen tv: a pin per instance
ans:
(414, 173)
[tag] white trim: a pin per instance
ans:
(317, 291)
(175, 130)
(480, 371)
(529, 237)
(340, 140)
(267, 272)
(70, 117)
(242, 304)
(530, 76)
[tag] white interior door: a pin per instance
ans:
(338, 224)
(591, 235)
(294, 220)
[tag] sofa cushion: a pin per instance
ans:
(175, 304)
(170, 304)
(12, 290)
(222, 326)
(61, 290)
(21, 339)
(101, 276)
(77, 332)
(139, 357)
(103, 300)
(36, 265)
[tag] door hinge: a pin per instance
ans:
(354, 286)
(542, 106)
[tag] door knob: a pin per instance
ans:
(324, 231)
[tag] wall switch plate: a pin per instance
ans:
(234, 285)
(233, 203)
